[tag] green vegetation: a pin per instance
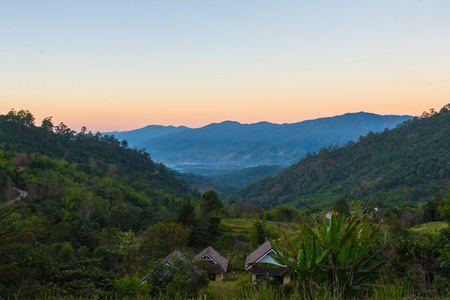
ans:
(407, 164)
(200, 184)
(226, 184)
(98, 217)
(336, 257)
(246, 176)
(341, 207)
(90, 205)
(269, 292)
(429, 227)
(223, 289)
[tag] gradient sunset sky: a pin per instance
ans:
(122, 65)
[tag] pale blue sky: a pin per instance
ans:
(116, 65)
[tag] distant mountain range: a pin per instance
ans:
(229, 146)
(410, 163)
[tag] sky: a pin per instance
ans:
(121, 65)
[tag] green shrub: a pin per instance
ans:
(339, 257)
(130, 286)
(83, 252)
(66, 253)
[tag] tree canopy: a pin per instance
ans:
(210, 203)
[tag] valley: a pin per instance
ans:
(100, 217)
(224, 150)
(228, 146)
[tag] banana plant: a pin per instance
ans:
(339, 256)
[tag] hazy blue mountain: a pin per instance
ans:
(229, 146)
(137, 137)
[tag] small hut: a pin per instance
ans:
(217, 264)
(166, 261)
(261, 263)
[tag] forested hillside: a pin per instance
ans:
(226, 184)
(246, 176)
(408, 163)
(90, 202)
(93, 153)
(77, 221)
(202, 183)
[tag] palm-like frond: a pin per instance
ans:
(337, 255)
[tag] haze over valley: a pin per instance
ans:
(225, 149)
(228, 146)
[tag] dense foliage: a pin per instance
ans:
(92, 152)
(90, 201)
(74, 224)
(201, 184)
(408, 163)
(226, 184)
(338, 256)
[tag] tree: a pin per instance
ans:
(26, 118)
(183, 280)
(341, 207)
(186, 215)
(210, 203)
(113, 195)
(257, 234)
(200, 234)
(124, 144)
(226, 242)
(66, 252)
(444, 208)
(161, 239)
(356, 205)
(47, 124)
(214, 222)
(132, 287)
(127, 252)
(431, 209)
(24, 262)
(63, 129)
(6, 190)
(284, 213)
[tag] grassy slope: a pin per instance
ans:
(241, 227)
(429, 227)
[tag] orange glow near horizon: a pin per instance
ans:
(231, 60)
(128, 114)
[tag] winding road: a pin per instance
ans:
(22, 194)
